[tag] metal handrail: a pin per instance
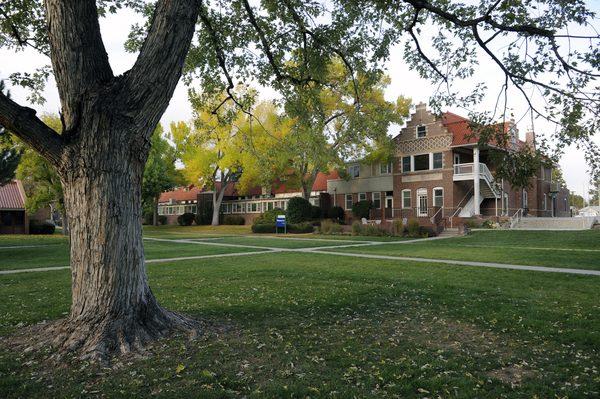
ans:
(516, 217)
(435, 214)
(454, 214)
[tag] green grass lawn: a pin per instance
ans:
(567, 249)
(173, 231)
(316, 325)
(56, 252)
(333, 328)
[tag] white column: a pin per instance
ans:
(476, 192)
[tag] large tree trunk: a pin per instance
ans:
(100, 155)
(113, 308)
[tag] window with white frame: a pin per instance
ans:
(377, 200)
(438, 197)
(385, 168)
(348, 201)
(406, 164)
(437, 160)
(362, 196)
(421, 131)
(505, 204)
(354, 171)
(406, 199)
(421, 162)
(524, 199)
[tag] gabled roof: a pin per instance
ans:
(180, 194)
(12, 196)
(462, 133)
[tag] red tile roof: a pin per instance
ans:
(12, 196)
(462, 133)
(191, 193)
(180, 194)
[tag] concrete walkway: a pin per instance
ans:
(327, 250)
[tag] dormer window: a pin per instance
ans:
(354, 171)
(421, 131)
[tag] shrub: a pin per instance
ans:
(361, 209)
(473, 223)
(357, 228)
(299, 210)
(268, 216)
(488, 224)
(374, 230)
(186, 219)
(398, 228)
(162, 220)
(413, 228)
(36, 227)
(205, 213)
(233, 220)
(147, 217)
(300, 228)
(316, 212)
(426, 231)
(337, 213)
(329, 227)
(263, 228)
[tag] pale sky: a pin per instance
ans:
(403, 82)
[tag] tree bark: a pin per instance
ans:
(217, 200)
(100, 156)
(113, 308)
(155, 212)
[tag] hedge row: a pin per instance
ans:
(293, 228)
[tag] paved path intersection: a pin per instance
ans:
(327, 250)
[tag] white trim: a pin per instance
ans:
(434, 196)
(364, 195)
(422, 193)
(409, 198)
(346, 202)
(417, 131)
(379, 199)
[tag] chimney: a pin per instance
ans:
(530, 138)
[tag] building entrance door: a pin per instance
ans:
(422, 202)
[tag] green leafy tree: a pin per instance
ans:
(108, 119)
(576, 200)
(339, 118)
(226, 146)
(41, 182)
(160, 173)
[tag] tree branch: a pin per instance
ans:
(79, 59)
(24, 124)
(152, 80)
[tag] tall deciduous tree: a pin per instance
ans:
(108, 120)
(339, 118)
(160, 173)
(226, 146)
(41, 182)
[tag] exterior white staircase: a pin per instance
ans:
(487, 187)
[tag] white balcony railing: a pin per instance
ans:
(464, 171)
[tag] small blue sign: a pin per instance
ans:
(280, 222)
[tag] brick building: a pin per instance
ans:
(439, 173)
(432, 176)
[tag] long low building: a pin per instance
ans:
(439, 172)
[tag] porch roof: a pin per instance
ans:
(12, 196)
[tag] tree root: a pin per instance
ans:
(101, 339)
